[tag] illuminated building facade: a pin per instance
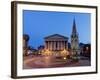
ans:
(56, 45)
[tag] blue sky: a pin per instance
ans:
(39, 24)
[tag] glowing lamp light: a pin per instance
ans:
(64, 58)
(87, 48)
(39, 53)
(64, 52)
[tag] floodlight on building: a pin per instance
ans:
(47, 52)
(64, 52)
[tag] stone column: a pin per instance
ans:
(54, 45)
(45, 44)
(62, 45)
(59, 45)
(50, 45)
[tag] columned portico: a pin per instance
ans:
(55, 44)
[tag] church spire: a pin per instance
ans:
(74, 40)
(74, 31)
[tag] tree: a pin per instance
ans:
(25, 46)
(26, 37)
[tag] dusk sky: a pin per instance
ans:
(39, 24)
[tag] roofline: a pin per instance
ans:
(55, 34)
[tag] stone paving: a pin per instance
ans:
(31, 62)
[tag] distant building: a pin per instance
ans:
(56, 45)
(41, 49)
(81, 45)
(86, 50)
(31, 51)
(74, 40)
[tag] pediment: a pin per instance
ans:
(56, 36)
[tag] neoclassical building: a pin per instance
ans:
(56, 44)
